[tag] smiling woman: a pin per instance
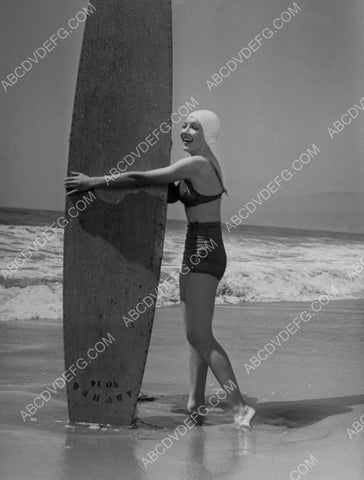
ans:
(200, 189)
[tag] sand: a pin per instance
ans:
(307, 394)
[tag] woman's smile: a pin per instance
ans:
(192, 135)
(186, 138)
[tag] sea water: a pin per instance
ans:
(265, 264)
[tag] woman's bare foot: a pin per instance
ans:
(143, 397)
(243, 416)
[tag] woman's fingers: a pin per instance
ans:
(71, 181)
(76, 182)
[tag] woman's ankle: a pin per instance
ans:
(193, 405)
(240, 407)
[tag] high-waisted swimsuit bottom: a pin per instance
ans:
(204, 249)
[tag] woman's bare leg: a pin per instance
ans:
(198, 366)
(199, 294)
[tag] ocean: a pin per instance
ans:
(265, 264)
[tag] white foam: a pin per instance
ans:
(260, 268)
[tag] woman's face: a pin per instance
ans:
(192, 136)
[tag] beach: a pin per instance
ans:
(289, 312)
(307, 394)
(105, 112)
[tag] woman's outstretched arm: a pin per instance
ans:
(186, 168)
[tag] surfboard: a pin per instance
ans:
(113, 241)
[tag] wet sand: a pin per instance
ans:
(307, 394)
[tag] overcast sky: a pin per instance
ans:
(274, 106)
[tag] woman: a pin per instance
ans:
(198, 173)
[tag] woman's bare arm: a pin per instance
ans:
(182, 169)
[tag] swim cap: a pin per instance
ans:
(210, 124)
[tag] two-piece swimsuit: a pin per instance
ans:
(204, 247)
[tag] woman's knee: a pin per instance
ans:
(199, 340)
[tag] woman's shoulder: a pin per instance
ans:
(202, 161)
(198, 158)
(199, 164)
(210, 161)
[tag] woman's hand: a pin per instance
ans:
(79, 182)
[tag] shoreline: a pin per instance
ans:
(259, 305)
(307, 395)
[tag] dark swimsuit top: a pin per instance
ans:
(188, 195)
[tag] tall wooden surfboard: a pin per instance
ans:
(114, 240)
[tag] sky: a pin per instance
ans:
(273, 106)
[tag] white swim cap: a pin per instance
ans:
(210, 124)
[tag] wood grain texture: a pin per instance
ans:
(113, 249)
